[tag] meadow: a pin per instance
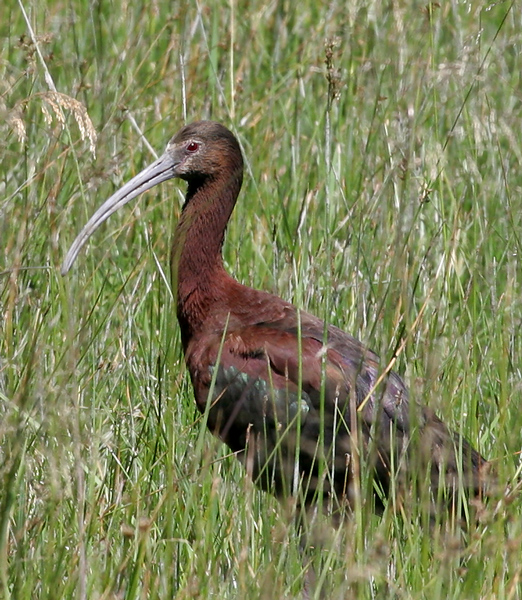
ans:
(383, 192)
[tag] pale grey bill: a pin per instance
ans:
(160, 170)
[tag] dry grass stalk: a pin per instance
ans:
(53, 103)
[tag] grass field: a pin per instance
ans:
(384, 193)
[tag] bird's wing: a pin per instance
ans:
(270, 368)
(291, 383)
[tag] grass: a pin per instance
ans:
(390, 205)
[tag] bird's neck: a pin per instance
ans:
(198, 275)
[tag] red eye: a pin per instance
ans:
(192, 146)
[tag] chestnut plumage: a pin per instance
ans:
(300, 406)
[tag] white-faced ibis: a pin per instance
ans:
(301, 407)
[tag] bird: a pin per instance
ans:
(303, 405)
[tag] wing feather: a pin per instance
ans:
(285, 397)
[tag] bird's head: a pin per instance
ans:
(199, 152)
(204, 149)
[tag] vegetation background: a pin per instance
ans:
(384, 148)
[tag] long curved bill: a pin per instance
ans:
(160, 170)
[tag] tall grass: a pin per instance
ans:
(392, 208)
